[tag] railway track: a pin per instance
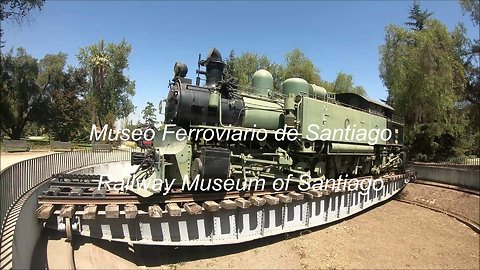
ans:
(73, 205)
(451, 187)
(184, 199)
(470, 223)
(475, 226)
(71, 195)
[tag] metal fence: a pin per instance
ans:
(460, 162)
(21, 177)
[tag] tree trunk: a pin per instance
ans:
(16, 133)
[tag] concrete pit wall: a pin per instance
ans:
(115, 171)
(28, 229)
(466, 178)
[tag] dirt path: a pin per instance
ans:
(7, 159)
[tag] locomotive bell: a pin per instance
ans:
(180, 70)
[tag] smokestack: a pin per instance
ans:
(215, 66)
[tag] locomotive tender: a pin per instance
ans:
(266, 134)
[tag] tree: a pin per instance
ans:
(344, 84)
(149, 114)
(110, 88)
(16, 11)
(298, 65)
(469, 51)
(68, 114)
(230, 67)
(418, 17)
(26, 88)
(420, 68)
(329, 86)
(244, 66)
(472, 7)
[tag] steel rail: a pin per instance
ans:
(470, 223)
(124, 198)
(441, 185)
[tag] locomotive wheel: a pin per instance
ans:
(197, 168)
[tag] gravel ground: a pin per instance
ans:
(458, 202)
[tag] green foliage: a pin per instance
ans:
(22, 99)
(344, 84)
(472, 7)
(421, 67)
(51, 70)
(418, 17)
(149, 114)
(298, 65)
(16, 11)
(469, 51)
(41, 97)
(110, 88)
(242, 68)
(68, 110)
(51, 75)
(425, 78)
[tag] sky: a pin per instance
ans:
(335, 35)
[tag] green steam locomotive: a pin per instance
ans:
(303, 133)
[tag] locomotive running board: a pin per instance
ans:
(224, 226)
